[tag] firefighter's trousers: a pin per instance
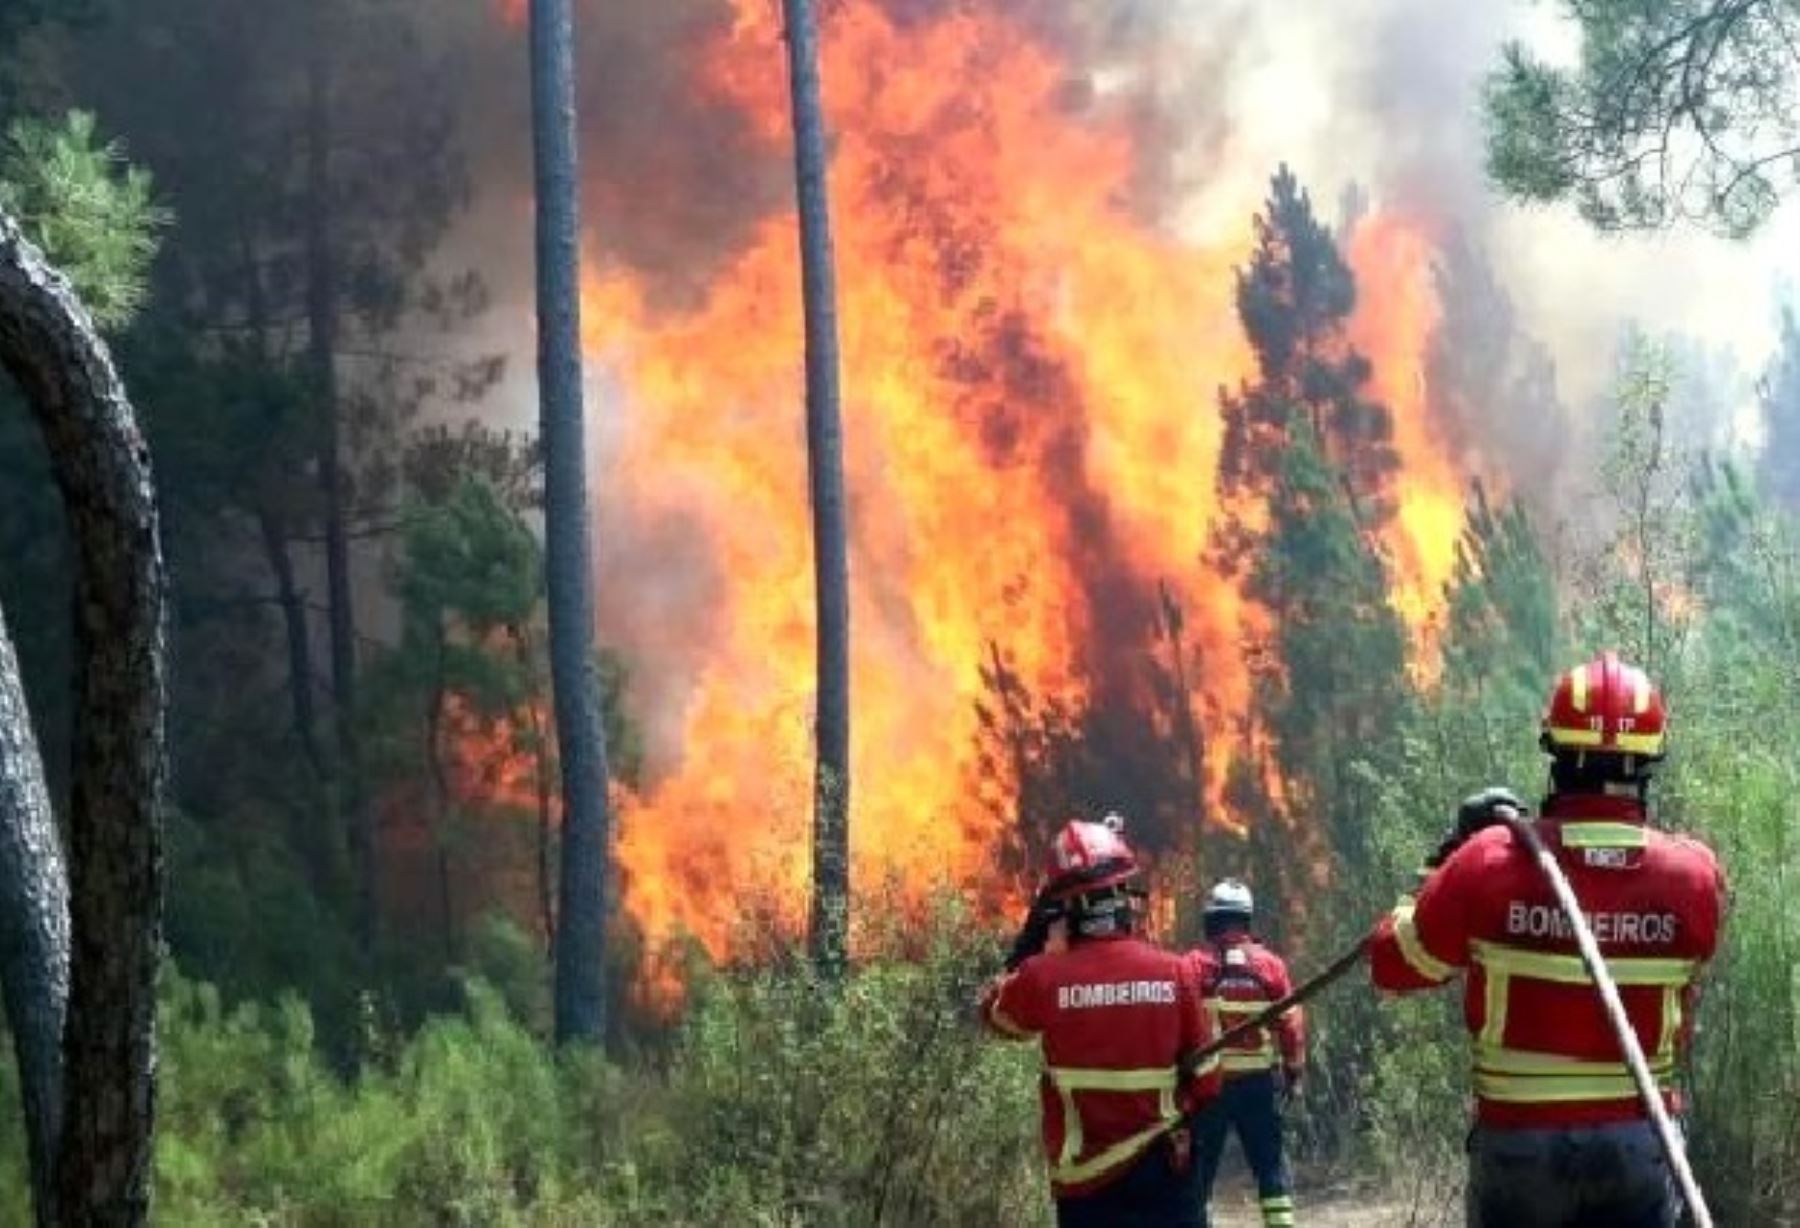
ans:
(1248, 1103)
(1568, 1178)
(1157, 1191)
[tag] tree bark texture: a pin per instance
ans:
(825, 468)
(49, 346)
(34, 929)
(581, 926)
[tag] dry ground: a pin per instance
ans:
(1234, 1206)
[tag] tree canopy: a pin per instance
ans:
(1675, 110)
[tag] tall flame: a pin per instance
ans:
(1030, 373)
(1397, 312)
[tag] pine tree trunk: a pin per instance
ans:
(581, 925)
(825, 467)
(50, 348)
(299, 643)
(322, 320)
(34, 929)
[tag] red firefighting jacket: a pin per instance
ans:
(1543, 1051)
(1239, 977)
(1113, 1016)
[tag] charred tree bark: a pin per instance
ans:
(34, 929)
(825, 468)
(581, 925)
(50, 348)
(322, 321)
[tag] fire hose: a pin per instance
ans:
(1648, 1092)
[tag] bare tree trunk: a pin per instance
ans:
(440, 788)
(34, 929)
(825, 467)
(540, 737)
(299, 644)
(581, 931)
(322, 319)
(50, 348)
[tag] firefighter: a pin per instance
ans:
(1116, 1018)
(1239, 976)
(1560, 1136)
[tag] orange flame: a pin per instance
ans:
(1030, 375)
(1397, 312)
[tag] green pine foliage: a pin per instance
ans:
(1673, 110)
(93, 215)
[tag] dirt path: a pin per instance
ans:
(1234, 1206)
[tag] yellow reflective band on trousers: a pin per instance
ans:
(1242, 1061)
(1278, 1211)
(1068, 1080)
(1406, 933)
(1520, 1076)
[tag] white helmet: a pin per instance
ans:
(1230, 896)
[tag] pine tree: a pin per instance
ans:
(1332, 689)
(1304, 477)
(1295, 299)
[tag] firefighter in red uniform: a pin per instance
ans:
(1116, 1017)
(1560, 1137)
(1239, 977)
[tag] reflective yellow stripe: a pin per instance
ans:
(1599, 835)
(1277, 1212)
(1072, 1140)
(1639, 743)
(1640, 692)
(1569, 736)
(1231, 1006)
(1239, 1060)
(1070, 1079)
(1578, 688)
(1494, 1007)
(1537, 1089)
(1569, 970)
(1518, 1076)
(1068, 1173)
(1671, 1022)
(1074, 1079)
(1239, 1063)
(1503, 1061)
(1413, 950)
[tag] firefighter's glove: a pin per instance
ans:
(1035, 933)
(1477, 812)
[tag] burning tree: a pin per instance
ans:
(1305, 476)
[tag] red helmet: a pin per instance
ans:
(1605, 707)
(1087, 857)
